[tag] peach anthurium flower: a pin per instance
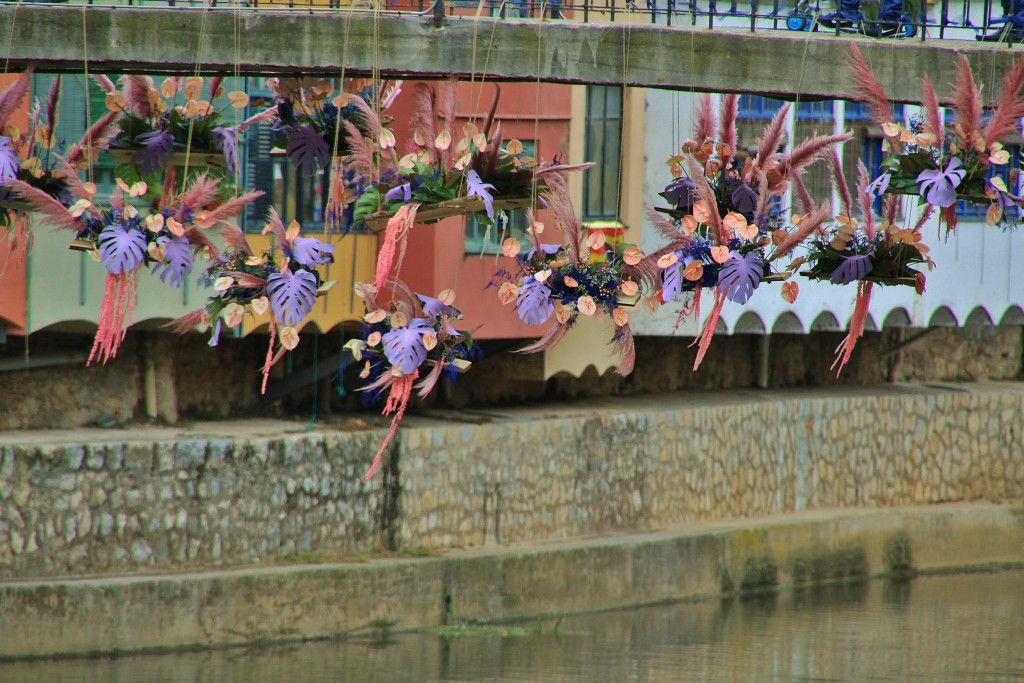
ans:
(289, 337)
(620, 316)
(734, 221)
(562, 314)
(362, 289)
(375, 316)
(720, 254)
(587, 305)
(570, 281)
(156, 251)
(508, 293)
(79, 207)
(429, 340)
(667, 260)
(223, 284)
(688, 224)
(596, 240)
(543, 275)
(925, 139)
(511, 247)
(155, 222)
(652, 304)
(748, 232)
(387, 138)
(365, 371)
(260, 305)
(999, 156)
(399, 319)
(694, 271)
(891, 129)
(447, 297)
(629, 288)
(632, 256)
(790, 290)
(176, 228)
(701, 212)
(233, 314)
(373, 339)
(442, 141)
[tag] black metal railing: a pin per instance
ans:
(943, 20)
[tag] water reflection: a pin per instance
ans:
(965, 629)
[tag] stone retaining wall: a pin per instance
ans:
(74, 509)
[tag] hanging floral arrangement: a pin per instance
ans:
(477, 174)
(127, 239)
(727, 229)
(944, 164)
(285, 284)
(340, 134)
(28, 156)
(867, 252)
(558, 283)
(412, 338)
(166, 128)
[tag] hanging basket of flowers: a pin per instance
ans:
(726, 229)
(411, 338)
(173, 126)
(940, 163)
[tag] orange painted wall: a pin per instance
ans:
(13, 287)
(436, 257)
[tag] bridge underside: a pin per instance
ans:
(808, 65)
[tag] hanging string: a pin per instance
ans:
(10, 36)
(336, 168)
(199, 61)
(88, 100)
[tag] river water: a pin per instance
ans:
(955, 629)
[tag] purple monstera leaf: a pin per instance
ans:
(435, 307)
(680, 193)
(402, 193)
(177, 263)
(672, 282)
(292, 295)
(9, 163)
(475, 186)
(852, 268)
(879, 185)
(744, 200)
(307, 149)
(226, 140)
(403, 346)
(939, 187)
(534, 301)
(157, 150)
(310, 252)
(122, 249)
(546, 249)
(740, 276)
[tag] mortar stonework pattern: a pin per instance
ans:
(94, 508)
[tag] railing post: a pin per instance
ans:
(438, 13)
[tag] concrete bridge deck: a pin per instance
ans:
(211, 40)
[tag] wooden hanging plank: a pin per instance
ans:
(461, 206)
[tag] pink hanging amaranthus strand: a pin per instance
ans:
(392, 251)
(709, 327)
(116, 314)
(19, 242)
(269, 360)
(398, 400)
(856, 331)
